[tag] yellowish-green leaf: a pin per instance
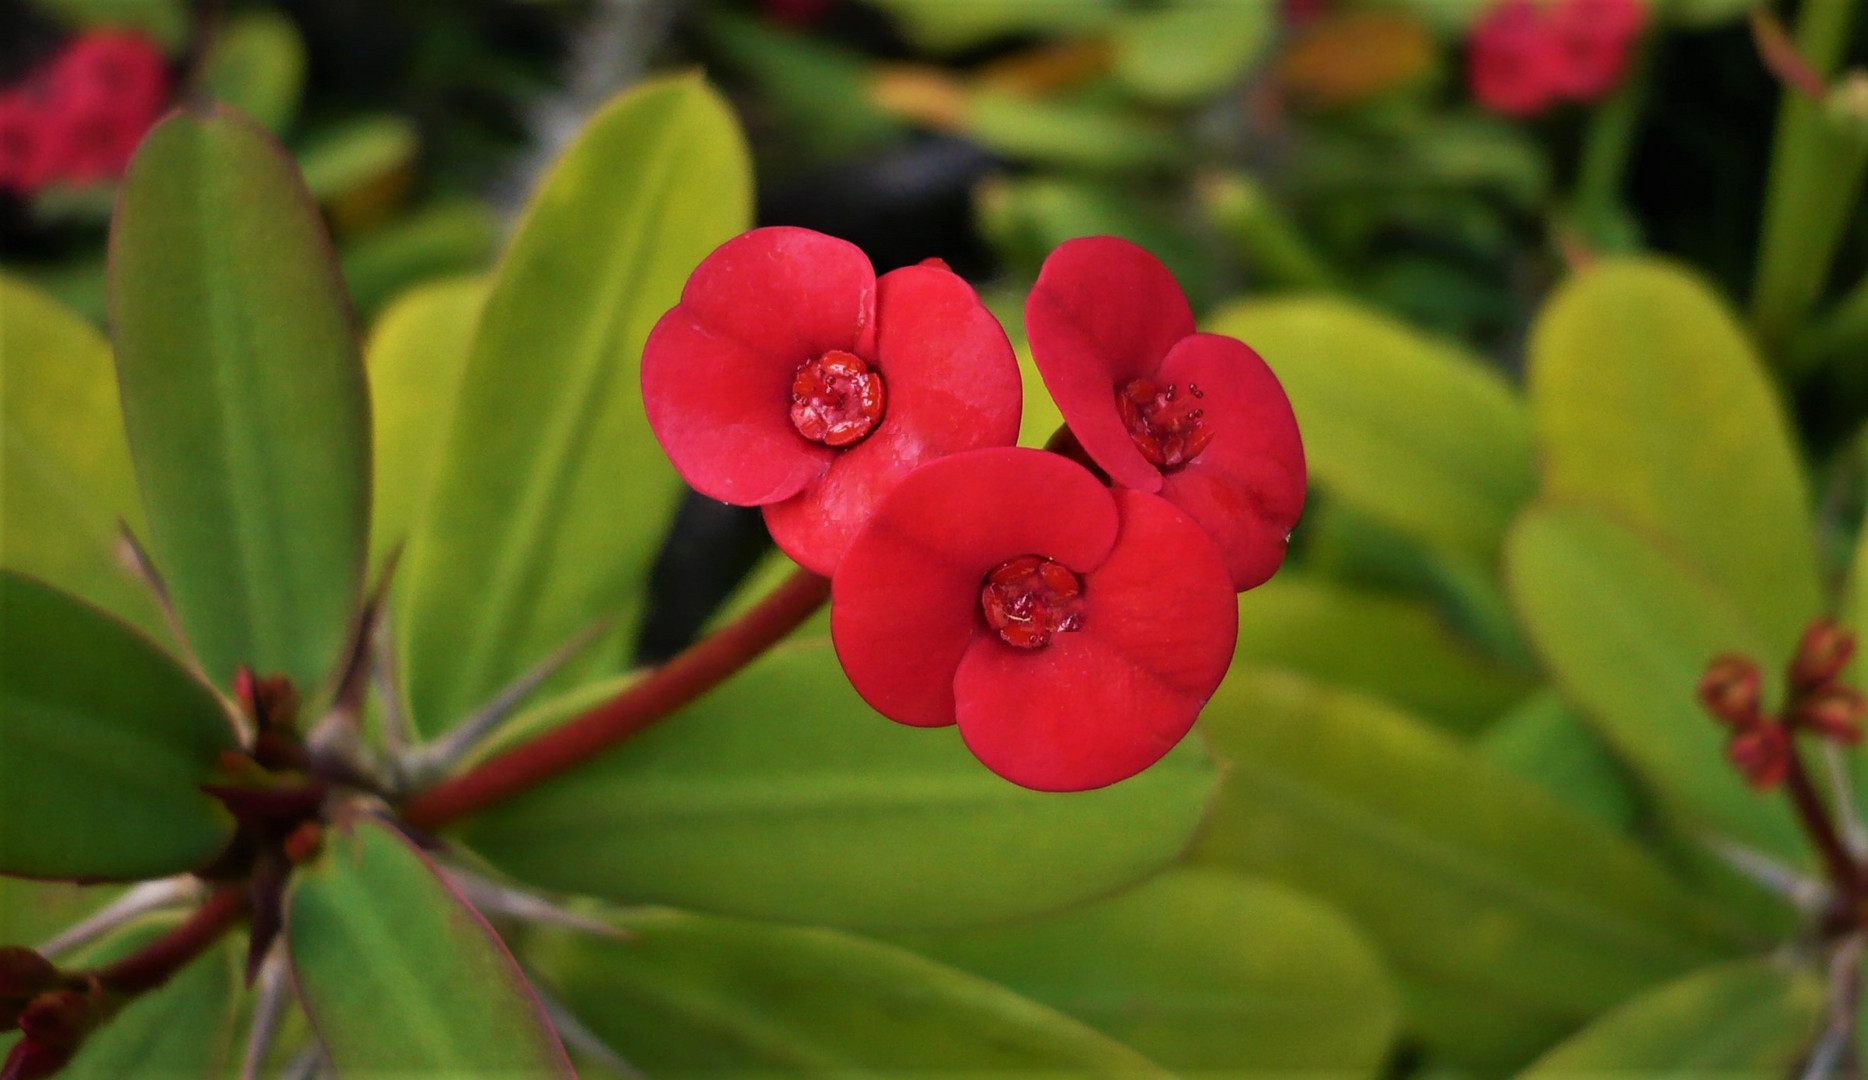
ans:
(1412, 431)
(951, 25)
(1548, 743)
(1208, 973)
(781, 795)
(257, 65)
(553, 494)
(1509, 917)
(1187, 50)
(1628, 631)
(1651, 405)
(66, 482)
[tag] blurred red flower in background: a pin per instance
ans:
(789, 377)
(78, 118)
(1525, 56)
(1197, 418)
(1073, 632)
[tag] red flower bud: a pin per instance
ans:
(1729, 690)
(1835, 712)
(24, 974)
(30, 1060)
(1761, 755)
(789, 377)
(1822, 654)
(1198, 419)
(56, 1018)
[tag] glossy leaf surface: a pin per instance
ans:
(553, 493)
(1652, 406)
(1208, 973)
(1413, 431)
(243, 395)
(1628, 632)
(691, 996)
(781, 795)
(104, 741)
(400, 977)
(1509, 917)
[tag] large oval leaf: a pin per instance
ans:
(781, 795)
(1208, 973)
(104, 743)
(400, 977)
(1393, 647)
(1550, 744)
(243, 395)
(551, 498)
(1651, 405)
(1628, 632)
(1412, 431)
(66, 483)
(1185, 51)
(690, 996)
(1509, 917)
(416, 354)
(1743, 1020)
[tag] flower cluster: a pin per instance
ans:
(1761, 746)
(1526, 55)
(1070, 622)
(77, 118)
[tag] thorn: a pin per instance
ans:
(575, 1036)
(306, 1066)
(398, 734)
(1810, 895)
(266, 905)
(138, 901)
(492, 897)
(271, 989)
(426, 762)
(135, 558)
(1781, 58)
(353, 673)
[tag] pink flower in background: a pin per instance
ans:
(1525, 56)
(25, 152)
(1593, 39)
(79, 117)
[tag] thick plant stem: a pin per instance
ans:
(1816, 819)
(1814, 175)
(699, 669)
(153, 964)
(1597, 205)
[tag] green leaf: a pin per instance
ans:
(817, 87)
(1392, 647)
(104, 742)
(1414, 432)
(1651, 406)
(553, 494)
(447, 237)
(1188, 50)
(35, 911)
(1208, 973)
(1546, 742)
(691, 996)
(257, 65)
(185, 1028)
(243, 395)
(946, 26)
(1628, 632)
(1073, 133)
(415, 356)
(1509, 918)
(66, 482)
(164, 21)
(400, 977)
(781, 795)
(343, 158)
(1743, 1020)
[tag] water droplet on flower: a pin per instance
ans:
(1163, 423)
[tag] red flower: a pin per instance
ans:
(1197, 418)
(789, 377)
(1072, 631)
(1514, 63)
(798, 12)
(26, 158)
(1592, 42)
(106, 89)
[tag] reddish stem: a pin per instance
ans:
(694, 672)
(1822, 830)
(153, 964)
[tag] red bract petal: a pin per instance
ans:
(953, 385)
(1103, 312)
(1246, 488)
(1592, 39)
(905, 599)
(722, 412)
(787, 293)
(1514, 59)
(1105, 702)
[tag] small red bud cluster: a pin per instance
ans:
(52, 1012)
(77, 118)
(1761, 745)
